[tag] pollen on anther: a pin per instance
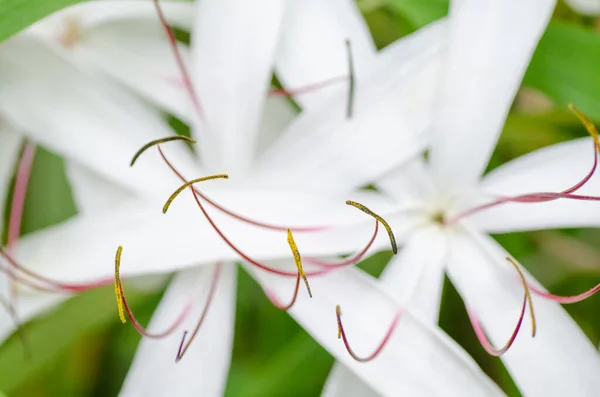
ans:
(118, 288)
(298, 260)
(388, 228)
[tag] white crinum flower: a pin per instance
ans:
(490, 44)
(301, 179)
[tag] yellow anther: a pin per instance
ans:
(380, 219)
(158, 142)
(188, 184)
(118, 286)
(527, 293)
(338, 312)
(298, 260)
(587, 123)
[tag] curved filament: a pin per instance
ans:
(123, 307)
(188, 184)
(566, 299)
(275, 301)
(378, 350)
(307, 88)
(527, 293)
(184, 346)
(158, 142)
(380, 219)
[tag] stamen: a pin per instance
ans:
(118, 286)
(213, 287)
(19, 194)
(587, 123)
(385, 340)
(188, 184)
(380, 219)
(351, 80)
(179, 59)
(483, 340)
(298, 260)
(275, 301)
(122, 303)
(158, 142)
(527, 293)
(224, 237)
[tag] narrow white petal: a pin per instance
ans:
(551, 169)
(587, 7)
(93, 192)
(313, 50)
(416, 353)
(10, 144)
(343, 383)
(278, 113)
(409, 182)
(392, 109)
(490, 45)
(489, 285)
(83, 248)
(204, 368)
(416, 275)
(82, 117)
(234, 44)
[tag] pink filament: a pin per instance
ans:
(566, 299)
(277, 303)
(307, 88)
(213, 287)
(483, 340)
(19, 194)
(379, 348)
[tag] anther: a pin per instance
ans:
(298, 260)
(380, 219)
(351, 80)
(158, 142)
(118, 285)
(188, 184)
(342, 334)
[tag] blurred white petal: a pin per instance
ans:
(10, 146)
(234, 44)
(490, 45)
(312, 47)
(586, 7)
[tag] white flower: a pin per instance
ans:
(300, 179)
(586, 7)
(489, 46)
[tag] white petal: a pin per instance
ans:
(416, 275)
(82, 117)
(393, 107)
(489, 285)
(234, 43)
(137, 53)
(93, 192)
(343, 383)
(204, 368)
(313, 49)
(278, 113)
(587, 7)
(10, 145)
(416, 353)
(409, 182)
(83, 248)
(551, 169)
(490, 45)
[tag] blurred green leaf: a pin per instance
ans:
(48, 337)
(16, 15)
(420, 12)
(565, 67)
